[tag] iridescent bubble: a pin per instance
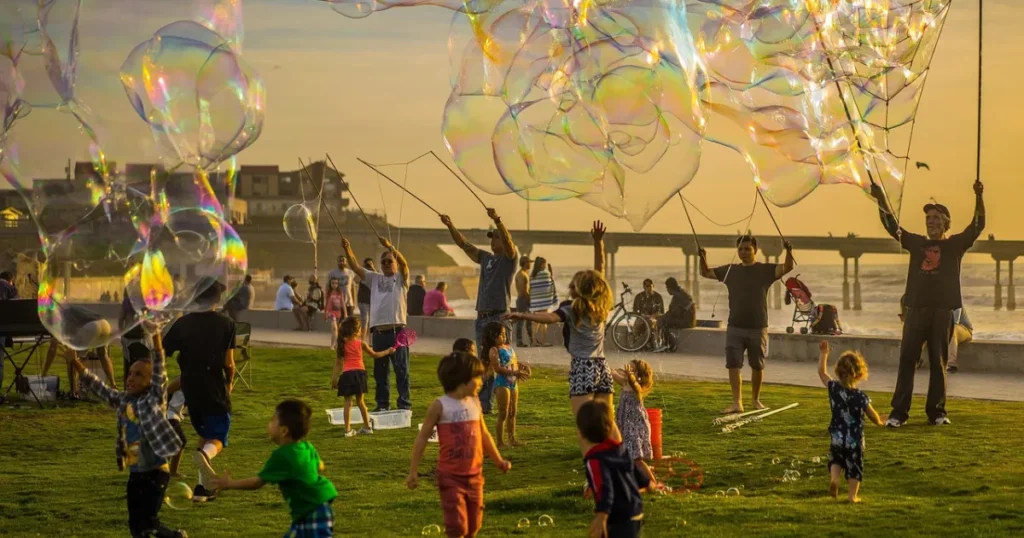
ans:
(734, 492)
(776, 461)
(545, 521)
(431, 530)
(41, 41)
(523, 523)
(816, 459)
(720, 493)
(299, 224)
(178, 496)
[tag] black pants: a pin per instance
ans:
(145, 497)
(626, 529)
(523, 305)
(931, 326)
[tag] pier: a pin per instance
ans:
(850, 248)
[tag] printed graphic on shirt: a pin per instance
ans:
(932, 258)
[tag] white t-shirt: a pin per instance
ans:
(284, 297)
(387, 299)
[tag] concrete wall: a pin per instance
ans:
(992, 356)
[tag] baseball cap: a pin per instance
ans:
(937, 207)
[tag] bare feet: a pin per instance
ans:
(855, 500)
(501, 444)
(517, 442)
(833, 490)
(734, 408)
(758, 404)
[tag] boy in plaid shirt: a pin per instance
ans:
(145, 439)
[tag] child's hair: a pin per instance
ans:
(464, 345)
(349, 328)
(491, 332)
(594, 421)
(851, 368)
(594, 298)
(294, 415)
(640, 377)
(330, 284)
(458, 368)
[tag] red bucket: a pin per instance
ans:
(654, 415)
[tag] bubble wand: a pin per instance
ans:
(688, 219)
(327, 207)
(395, 183)
(352, 194)
(458, 177)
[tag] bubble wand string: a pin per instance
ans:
(352, 194)
(688, 219)
(769, 210)
(327, 207)
(458, 177)
(395, 183)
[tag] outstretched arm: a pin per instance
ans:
(352, 261)
(93, 383)
(823, 363)
(597, 232)
(377, 354)
(460, 240)
(224, 481)
(978, 222)
(506, 238)
(546, 318)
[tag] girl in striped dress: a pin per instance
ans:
(542, 298)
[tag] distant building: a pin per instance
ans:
(269, 192)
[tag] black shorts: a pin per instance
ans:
(352, 383)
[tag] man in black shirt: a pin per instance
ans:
(414, 297)
(681, 309)
(204, 342)
(748, 283)
(932, 294)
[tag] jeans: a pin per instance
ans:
(382, 371)
(145, 497)
(487, 390)
(920, 326)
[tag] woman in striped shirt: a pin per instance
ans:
(542, 298)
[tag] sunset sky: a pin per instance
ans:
(375, 88)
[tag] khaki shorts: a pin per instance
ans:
(753, 341)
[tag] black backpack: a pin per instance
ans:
(826, 320)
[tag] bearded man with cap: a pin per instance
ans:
(932, 295)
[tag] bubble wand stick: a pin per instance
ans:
(458, 177)
(688, 219)
(350, 193)
(328, 208)
(395, 183)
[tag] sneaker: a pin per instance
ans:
(365, 431)
(202, 463)
(940, 421)
(951, 369)
(350, 433)
(164, 532)
(893, 423)
(201, 494)
(381, 409)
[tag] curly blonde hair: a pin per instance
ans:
(594, 298)
(640, 377)
(851, 368)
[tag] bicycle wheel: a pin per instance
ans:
(631, 332)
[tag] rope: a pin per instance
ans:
(352, 194)
(384, 204)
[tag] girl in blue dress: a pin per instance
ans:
(849, 405)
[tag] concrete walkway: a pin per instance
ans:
(961, 385)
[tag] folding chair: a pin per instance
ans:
(243, 331)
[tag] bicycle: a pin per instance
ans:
(630, 331)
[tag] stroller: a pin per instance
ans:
(804, 309)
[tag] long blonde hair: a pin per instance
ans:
(593, 299)
(640, 377)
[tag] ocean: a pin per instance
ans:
(881, 289)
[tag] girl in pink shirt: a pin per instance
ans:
(352, 383)
(464, 440)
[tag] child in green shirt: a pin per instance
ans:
(295, 467)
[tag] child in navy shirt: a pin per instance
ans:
(849, 405)
(611, 474)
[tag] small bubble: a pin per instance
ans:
(776, 461)
(816, 459)
(523, 523)
(431, 530)
(741, 486)
(719, 493)
(546, 521)
(733, 491)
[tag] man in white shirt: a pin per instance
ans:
(347, 282)
(287, 300)
(388, 311)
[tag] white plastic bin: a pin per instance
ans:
(433, 435)
(45, 388)
(337, 416)
(391, 420)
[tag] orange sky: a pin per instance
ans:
(375, 88)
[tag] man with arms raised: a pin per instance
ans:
(494, 292)
(932, 294)
(748, 283)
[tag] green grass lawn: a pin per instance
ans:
(58, 475)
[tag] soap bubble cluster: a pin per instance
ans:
(160, 237)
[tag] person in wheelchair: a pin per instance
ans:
(650, 305)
